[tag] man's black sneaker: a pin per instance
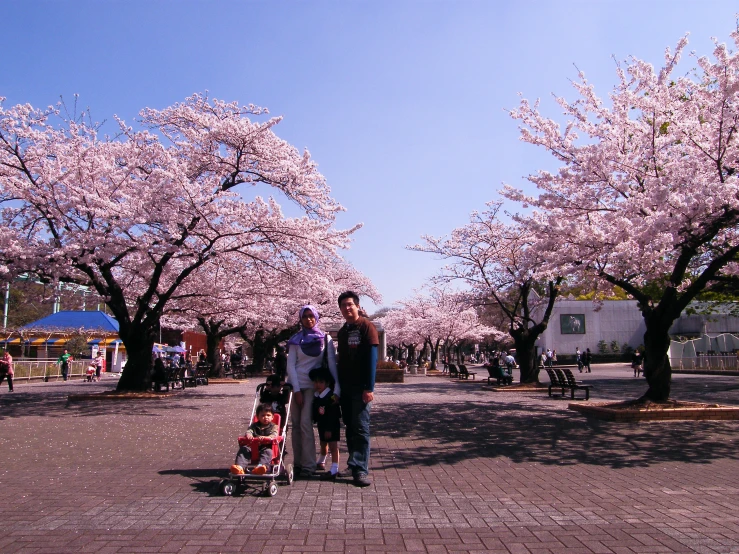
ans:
(304, 474)
(361, 480)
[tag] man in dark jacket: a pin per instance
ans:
(357, 342)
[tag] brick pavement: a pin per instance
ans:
(455, 469)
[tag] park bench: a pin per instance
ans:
(237, 371)
(464, 374)
(453, 371)
(188, 377)
(201, 374)
(497, 373)
(568, 381)
(554, 382)
(173, 377)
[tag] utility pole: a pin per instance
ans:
(58, 299)
(7, 301)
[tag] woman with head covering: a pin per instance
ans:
(305, 352)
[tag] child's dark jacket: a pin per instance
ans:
(327, 414)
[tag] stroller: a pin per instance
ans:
(234, 484)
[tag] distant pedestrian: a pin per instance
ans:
(549, 357)
(578, 358)
(6, 369)
(587, 357)
(98, 363)
(281, 363)
(510, 363)
(636, 363)
(63, 361)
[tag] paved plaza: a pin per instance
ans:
(455, 468)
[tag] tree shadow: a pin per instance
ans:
(545, 434)
(54, 403)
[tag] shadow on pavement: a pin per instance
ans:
(205, 480)
(547, 434)
(45, 403)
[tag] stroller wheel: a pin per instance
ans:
(271, 488)
(227, 487)
(289, 474)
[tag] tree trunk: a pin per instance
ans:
(212, 340)
(434, 355)
(136, 374)
(411, 353)
(525, 342)
(657, 369)
(259, 351)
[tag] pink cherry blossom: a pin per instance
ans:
(134, 216)
(646, 197)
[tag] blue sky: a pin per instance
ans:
(401, 103)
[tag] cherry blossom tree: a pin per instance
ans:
(501, 266)
(232, 295)
(647, 197)
(134, 215)
(434, 317)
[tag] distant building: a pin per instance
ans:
(48, 336)
(583, 324)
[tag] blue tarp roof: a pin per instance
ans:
(76, 320)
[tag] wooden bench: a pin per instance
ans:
(201, 374)
(173, 376)
(554, 382)
(568, 381)
(237, 371)
(453, 371)
(497, 373)
(188, 377)
(464, 374)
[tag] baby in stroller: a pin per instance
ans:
(259, 435)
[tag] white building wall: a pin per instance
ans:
(618, 320)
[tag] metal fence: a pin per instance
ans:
(39, 369)
(706, 362)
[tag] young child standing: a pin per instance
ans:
(327, 414)
(259, 435)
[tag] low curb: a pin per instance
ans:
(516, 388)
(696, 412)
(120, 396)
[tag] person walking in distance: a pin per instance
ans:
(6, 368)
(63, 361)
(357, 366)
(587, 357)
